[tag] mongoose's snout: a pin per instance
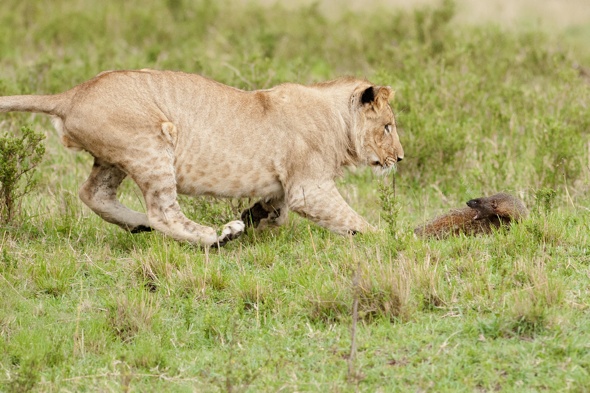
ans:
(475, 204)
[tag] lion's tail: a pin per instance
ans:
(50, 104)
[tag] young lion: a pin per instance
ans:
(176, 132)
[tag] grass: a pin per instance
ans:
(87, 307)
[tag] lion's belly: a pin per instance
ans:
(209, 162)
(226, 183)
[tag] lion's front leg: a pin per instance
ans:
(322, 203)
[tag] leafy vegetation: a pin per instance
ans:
(19, 156)
(88, 307)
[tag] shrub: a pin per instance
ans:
(19, 156)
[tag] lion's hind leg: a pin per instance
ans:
(154, 174)
(99, 192)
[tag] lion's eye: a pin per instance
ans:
(388, 129)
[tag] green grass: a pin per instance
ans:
(85, 306)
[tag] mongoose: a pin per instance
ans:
(481, 215)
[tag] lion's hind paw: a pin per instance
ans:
(232, 230)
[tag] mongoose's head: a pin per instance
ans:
(502, 205)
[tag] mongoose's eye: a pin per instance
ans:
(388, 129)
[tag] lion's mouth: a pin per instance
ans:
(383, 168)
(374, 160)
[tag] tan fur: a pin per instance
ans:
(176, 132)
(480, 217)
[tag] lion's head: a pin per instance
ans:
(380, 147)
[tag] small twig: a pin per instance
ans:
(257, 305)
(352, 375)
(315, 251)
(76, 332)
(567, 191)
(355, 304)
(13, 288)
(109, 375)
(446, 342)
(239, 74)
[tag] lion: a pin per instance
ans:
(174, 132)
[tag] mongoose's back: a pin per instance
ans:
(481, 216)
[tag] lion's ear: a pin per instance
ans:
(368, 95)
(384, 94)
(377, 96)
(390, 93)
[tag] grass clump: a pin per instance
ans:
(384, 292)
(130, 315)
(329, 305)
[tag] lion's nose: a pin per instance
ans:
(399, 158)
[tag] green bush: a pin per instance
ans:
(19, 157)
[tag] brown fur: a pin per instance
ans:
(480, 217)
(176, 132)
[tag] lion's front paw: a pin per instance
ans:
(254, 215)
(232, 230)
